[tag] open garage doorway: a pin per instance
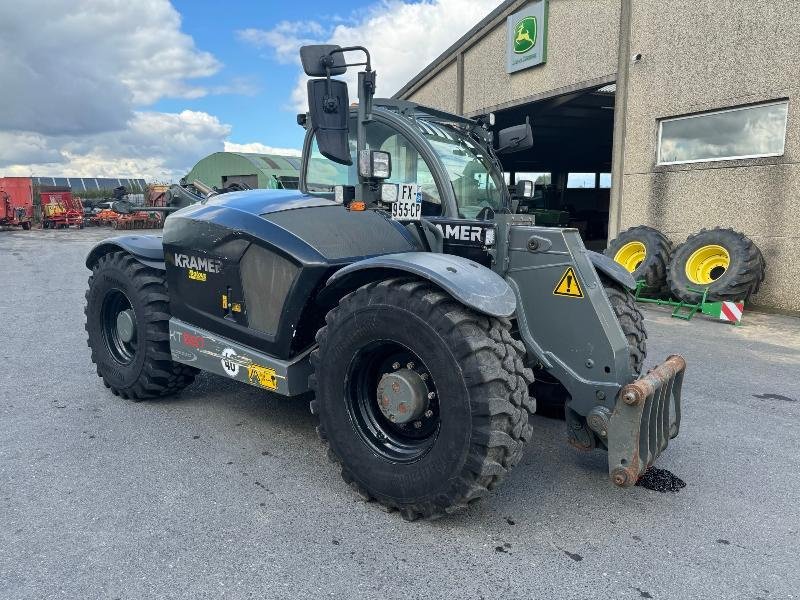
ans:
(570, 162)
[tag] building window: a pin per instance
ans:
(537, 178)
(746, 132)
(580, 180)
(605, 181)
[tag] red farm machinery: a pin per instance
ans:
(140, 217)
(16, 202)
(60, 210)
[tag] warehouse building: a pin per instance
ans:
(268, 171)
(678, 115)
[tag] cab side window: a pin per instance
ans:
(407, 165)
(322, 174)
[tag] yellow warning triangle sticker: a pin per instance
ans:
(568, 285)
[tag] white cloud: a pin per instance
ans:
(284, 39)
(70, 67)
(77, 78)
(259, 148)
(402, 37)
(153, 145)
(27, 147)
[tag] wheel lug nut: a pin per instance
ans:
(431, 395)
(410, 365)
(428, 413)
(417, 424)
(396, 366)
(423, 376)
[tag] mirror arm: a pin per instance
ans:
(349, 49)
(366, 91)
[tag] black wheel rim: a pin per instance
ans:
(122, 349)
(401, 443)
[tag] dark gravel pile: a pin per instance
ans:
(661, 480)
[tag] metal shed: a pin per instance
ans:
(268, 171)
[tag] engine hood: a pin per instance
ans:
(263, 202)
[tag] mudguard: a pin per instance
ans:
(147, 249)
(468, 282)
(611, 268)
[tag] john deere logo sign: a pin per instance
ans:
(527, 37)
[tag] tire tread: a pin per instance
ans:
(659, 252)
(494, 374)
(159, 376)
(746, 280)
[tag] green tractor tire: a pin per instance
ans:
(725, 262)
(645, 252)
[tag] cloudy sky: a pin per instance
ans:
(145, 88)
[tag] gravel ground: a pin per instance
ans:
(224, 491)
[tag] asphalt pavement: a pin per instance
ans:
(225, 492)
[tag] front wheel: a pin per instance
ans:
(422, 401)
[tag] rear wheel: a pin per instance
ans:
(724, 261)
(645, 253)
(551, 395)
(127, 321)
(422, 401)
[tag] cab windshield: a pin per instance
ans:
(477, 184)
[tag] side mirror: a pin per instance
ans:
(317, 60)
(516, 138)
(374, 164)
(329, 106)
(524, 189)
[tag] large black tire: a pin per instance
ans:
(26, 225)
(738, 282)
(142, 367)
(632, 322)
(475, 367)
(653, 268)
(551, 395)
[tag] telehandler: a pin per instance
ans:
(399, 288)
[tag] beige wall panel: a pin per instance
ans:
(759, 201)
(440, 92)
(582, 45)
(705, 55)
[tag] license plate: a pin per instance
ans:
(408, 206)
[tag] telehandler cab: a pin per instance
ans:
(396, 285)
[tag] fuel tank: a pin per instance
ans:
(247, 265)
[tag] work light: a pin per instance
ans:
(374, 164)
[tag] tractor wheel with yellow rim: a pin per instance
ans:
(725, 262)
(645, 253)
